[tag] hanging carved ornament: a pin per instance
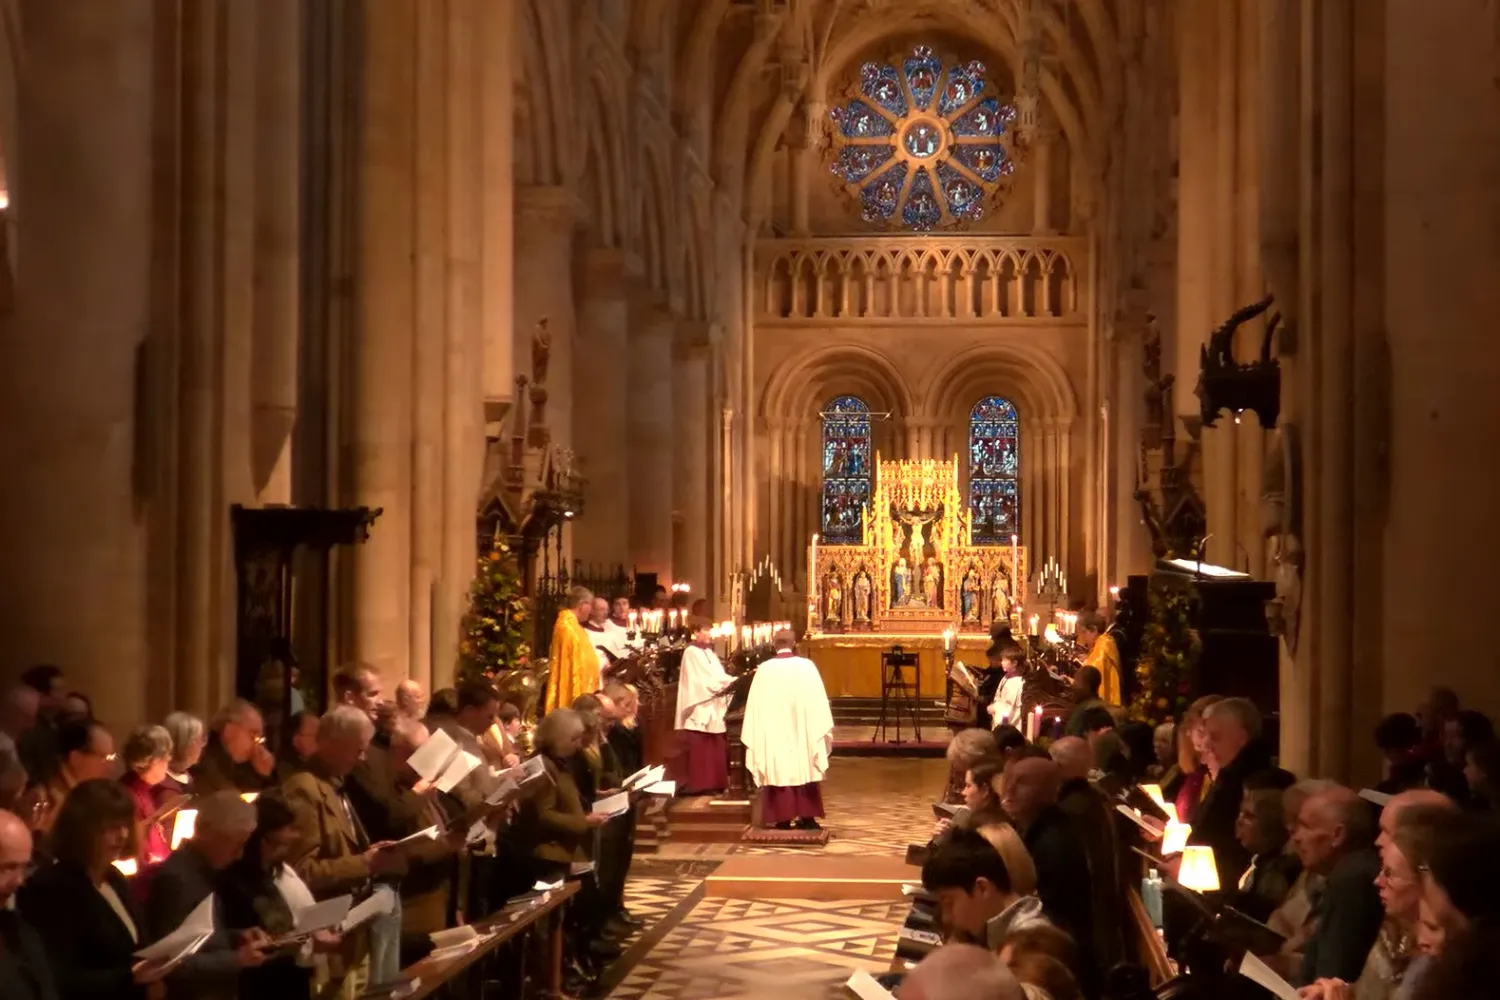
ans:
(1225, 384)
(922, 144)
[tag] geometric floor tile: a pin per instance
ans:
(779, 949)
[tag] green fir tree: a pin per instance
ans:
(496, 627)
(1169, 655)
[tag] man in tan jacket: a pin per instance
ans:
(333, 855)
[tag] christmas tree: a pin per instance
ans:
(1169, 656)
(495, 628)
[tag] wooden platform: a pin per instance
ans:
(817, 877)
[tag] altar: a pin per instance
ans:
(917, 573)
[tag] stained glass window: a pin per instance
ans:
(924, 143)
(994, 471)
(846, 469)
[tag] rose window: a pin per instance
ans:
(922, 145)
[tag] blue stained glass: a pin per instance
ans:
(882, 194)
(994, 471)
(985, 118)
(856, 162)
(857, 120)
(846, 469)
(922, 141)
(988, 161)
(965, 198)
(923, 70)
(882, 84)
(922, 210)
(964, 84)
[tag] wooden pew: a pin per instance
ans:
(1149, 949)
(510, 923)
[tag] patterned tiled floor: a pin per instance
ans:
(741, 948)
(696, 948)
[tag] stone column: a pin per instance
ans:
(544, 290)
(692, 415)
(600, 377)
(75, 549)
(381, 408)
(498, 24)
(1041, 172)
(278, 234)
(649, 437)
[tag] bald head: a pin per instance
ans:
(411, 700)
(1425, 798)
(784, 639)
(1030, 786)
(1332, 823)
(15, 855)
(960, 972)
(1074, 757)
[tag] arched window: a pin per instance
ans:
(994, 471)
(846, 469)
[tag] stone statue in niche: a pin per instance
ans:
(932, 584)
(968, 598)
(541, 352)
(835, 612)
(999, 597)
(862, 596)
(1158, 386)
(900, 583)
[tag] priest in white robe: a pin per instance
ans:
(788, 736)
(702, 702)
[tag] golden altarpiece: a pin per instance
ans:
(915, 574)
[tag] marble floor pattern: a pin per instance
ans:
(696, 948)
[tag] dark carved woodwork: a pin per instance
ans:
(265, 542)
(1225, 384)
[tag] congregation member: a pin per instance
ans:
(186, 879)
(978, 900)
(411, 699)
(1190, 785)
(1262, 831)
(573, 664)
(261, 890)
(85, 751)
(24, 971)
(702, 702)
(1460, 909)
(1335, 839)
(1086, 684)
(625, 735)
(477, 708)
(236, 757)
(788, 737)
(1029, 797)
(189, 739)
(1164, 746)
(1006, 709)
(1103, 655)
(37, 747)
(432, 874)
(82, 907)
(301, 741)
(18, 716)
(147, 754)
(961, 972)
(1092, 817)
(981, 800)
(1233, 751)
(967, 748)
(334, 855)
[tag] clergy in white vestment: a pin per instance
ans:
(617, 631)
(788, 736)
(599, 636)
(702, 701)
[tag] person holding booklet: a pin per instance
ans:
(82, 908)
(189, 877)
(334, 854)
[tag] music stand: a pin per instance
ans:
(898, 694)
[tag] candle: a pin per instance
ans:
(947, 640)
(1036, 722)
(1036, 621)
